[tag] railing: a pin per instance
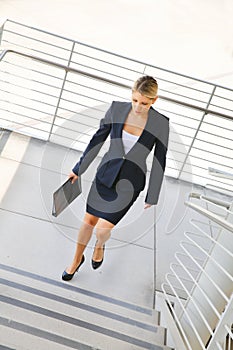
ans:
(62, 92)
(108, 81)
(202, 279)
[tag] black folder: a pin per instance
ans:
(64, 195)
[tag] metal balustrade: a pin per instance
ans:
(57, 89)
(201, 279)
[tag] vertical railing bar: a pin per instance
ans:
(195, 135)
(61, 92)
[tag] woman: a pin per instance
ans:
(134, 129)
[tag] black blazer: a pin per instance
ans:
(115, 164)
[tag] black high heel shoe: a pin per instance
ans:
(97, 264)
(68, 276)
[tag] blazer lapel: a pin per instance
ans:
(120, 118)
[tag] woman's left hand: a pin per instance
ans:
(147, 205)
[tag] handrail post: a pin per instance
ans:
(1, 31)
(61, 92)
(155, 256)
(197, 131)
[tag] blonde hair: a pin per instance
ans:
(147, 86)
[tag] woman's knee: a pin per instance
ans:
(103, 229)
(104, 225)
(90, 220)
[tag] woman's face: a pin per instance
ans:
(140, 103)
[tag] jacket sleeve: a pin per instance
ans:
(95, 144)
(158, 166)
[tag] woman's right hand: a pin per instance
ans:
(73, 177)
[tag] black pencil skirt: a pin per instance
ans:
(112, 203)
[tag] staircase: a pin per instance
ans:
(42, 313)
(55, 89)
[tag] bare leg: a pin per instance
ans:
(84, 236)
(103, 233)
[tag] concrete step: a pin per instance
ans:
(62, 331)
(68, 293)
(70, 316)
(16, 336)
(61, 314)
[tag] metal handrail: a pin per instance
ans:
(217, 201)
(109, 81)
(208, 214)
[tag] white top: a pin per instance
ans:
(128, 140)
